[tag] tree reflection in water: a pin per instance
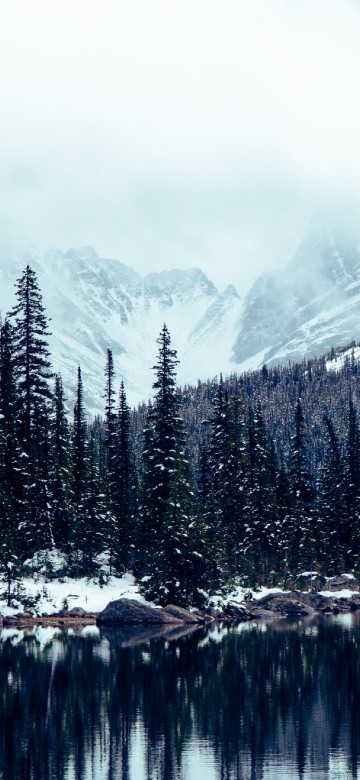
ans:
(122, 707)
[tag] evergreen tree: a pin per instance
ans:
(60, 475)
(124, 486)
(80, 471)
(173, 561)
(95, 517)
(352, 488)
(224, 506)
(11, 477)
(261, 537)
(32, 373)
(110, 427)
(31, 354)
(300, 531)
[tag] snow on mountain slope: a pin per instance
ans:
(310, 306)
(97, 303)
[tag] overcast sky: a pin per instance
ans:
(174, 133)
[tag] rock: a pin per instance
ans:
(341, 582)
(76, 612)
(127, 611)
(182, 614)
(235, 612)
(312, 580)
(211, 612)
(290, 604)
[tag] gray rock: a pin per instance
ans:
(126, 611)
(235, 612)
(76, 612)
(291, 604)
(312, 580)
(341, 583)
(182, 614)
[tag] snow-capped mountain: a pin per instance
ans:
(96, 303)
(304, 310)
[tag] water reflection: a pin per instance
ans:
(259, 701)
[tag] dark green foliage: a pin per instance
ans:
(124, 493)
(261, 537)
(30, 355)
(254, 477)
(60, 480)
(168, 533)
(32, 371)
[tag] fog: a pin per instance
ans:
(175, 133)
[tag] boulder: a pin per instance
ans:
(312, 580)
(76, 612)
(129, 612)
(341, 582)
(286, 604)
(182, 614)
(234, 612)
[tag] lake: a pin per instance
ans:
(269, 701)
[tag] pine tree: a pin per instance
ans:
(80, 472)
(223, 507)
(172, 561)
(95, 516)
(261, 537)
(124, 496)
(352, 490)
(32, 373)
(110, 426)
(300, 531)
(60, 475)
(31, 354)
(11, 482)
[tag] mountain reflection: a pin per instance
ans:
(280, 701)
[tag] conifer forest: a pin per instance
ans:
(253, 478)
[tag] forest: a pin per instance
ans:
(250, 479)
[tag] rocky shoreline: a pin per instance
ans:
(340, 595)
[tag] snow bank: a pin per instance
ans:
(51, 596)
(339, 594)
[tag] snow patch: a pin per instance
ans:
(52, 596)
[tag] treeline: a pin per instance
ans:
(256, 478)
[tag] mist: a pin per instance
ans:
(178, 134)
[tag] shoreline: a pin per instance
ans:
(272, 606)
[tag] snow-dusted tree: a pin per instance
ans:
(95, 517)
(32, 373)
(352, 488)
(79, 468)
(169, 539)
(300, 529)
(261, 536)
(223, 505)
(124, 494)
(60, 474)
(110, 426)
(11, 477)
(30, 354)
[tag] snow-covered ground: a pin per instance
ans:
(45, 590)
(50, 596)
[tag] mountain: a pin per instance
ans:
(300, 311)
(308, 307)
(95, 303)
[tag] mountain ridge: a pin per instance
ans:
(97, 303)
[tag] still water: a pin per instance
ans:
(257, 701)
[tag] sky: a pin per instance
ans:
(177, 133)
